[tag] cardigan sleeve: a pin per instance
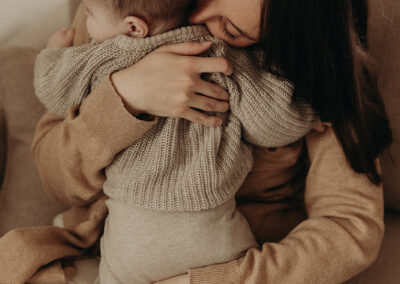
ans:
(263, 103)
(70, 154)
(340, 238)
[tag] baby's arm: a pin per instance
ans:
(63, 75)
(71, 154)
(263, 104)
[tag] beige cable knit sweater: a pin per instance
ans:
(179, 165)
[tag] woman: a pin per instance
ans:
(314, 45)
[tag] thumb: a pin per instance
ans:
(186, 48)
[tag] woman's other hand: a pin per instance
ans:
(61, 39)
(167, 83)
(181, 279)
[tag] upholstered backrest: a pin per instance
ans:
(384, 40)
(30, 23)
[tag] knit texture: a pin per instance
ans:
(179, 165)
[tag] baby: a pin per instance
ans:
(172, 193)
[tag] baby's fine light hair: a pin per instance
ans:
(160, 15)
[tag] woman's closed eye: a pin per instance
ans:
(228, 34)
(226, 31)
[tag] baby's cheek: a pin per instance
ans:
(100, 31)
(88, 26)
(91, 28)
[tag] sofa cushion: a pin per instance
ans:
(33, 25)
(384, 40)
(22, 199)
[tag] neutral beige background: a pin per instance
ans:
(30, 22)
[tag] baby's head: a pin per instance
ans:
(136, 18)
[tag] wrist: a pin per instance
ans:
(115, 79)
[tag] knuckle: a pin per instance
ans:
(216, 121)
(210, 106)
(210, 121)
(221, 93)
(188, 63)
(225, 107)
(201, 119)
(188, 82)
(179, 110)
(185, 86)
(184, 98)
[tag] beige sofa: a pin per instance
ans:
(23, 202)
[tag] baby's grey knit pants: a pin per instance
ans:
(141, 246)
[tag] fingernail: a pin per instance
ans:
(205, 43)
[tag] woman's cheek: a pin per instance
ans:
(92, 30)
(241, 42)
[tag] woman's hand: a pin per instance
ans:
(181, 279)
(167, 83)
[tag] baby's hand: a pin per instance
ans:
(60, 39)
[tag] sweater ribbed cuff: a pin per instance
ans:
(225, 273)
(108, 121)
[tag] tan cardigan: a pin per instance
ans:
(340, 238)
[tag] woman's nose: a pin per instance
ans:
(196, 18)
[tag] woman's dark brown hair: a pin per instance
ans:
(320, 46)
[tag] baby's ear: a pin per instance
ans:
(138, 28)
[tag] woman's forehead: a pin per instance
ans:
(245, 14)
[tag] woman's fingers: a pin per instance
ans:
(210, 65)
(186, 48)
(150, 87)
(201, 118)
(199, 64)
(208, 104)
(210, 90)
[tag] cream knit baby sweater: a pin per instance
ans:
(179, 165)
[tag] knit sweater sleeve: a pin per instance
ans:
(263, 103)
(70, 154)
(63, 76)
(341, 237)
